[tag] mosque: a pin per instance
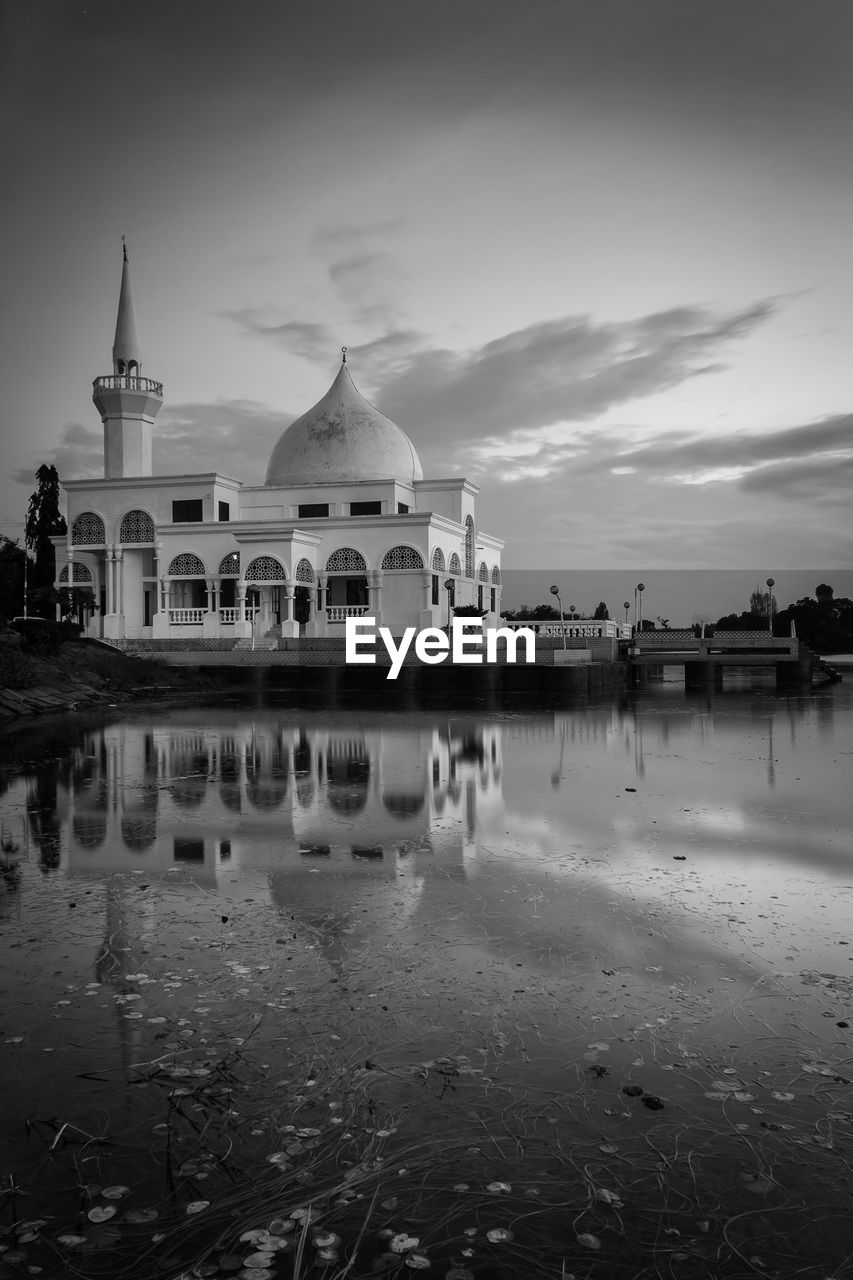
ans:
(345, 524)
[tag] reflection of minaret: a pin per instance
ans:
(112, 964)
(771, 763)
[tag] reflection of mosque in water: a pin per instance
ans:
(136, 796)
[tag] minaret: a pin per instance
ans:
(127, 402)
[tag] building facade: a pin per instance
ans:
(345, 524)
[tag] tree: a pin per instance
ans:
(538, 613)
(761, 602)
(664, 622)
(11, 579)
(601, 611)
(44, 521)
(824, 623)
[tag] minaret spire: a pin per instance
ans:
(127, 354)
(127, 402)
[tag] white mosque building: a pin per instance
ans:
(345, 524)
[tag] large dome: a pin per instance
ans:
(343, 438)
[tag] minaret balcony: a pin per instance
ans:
(127, 382)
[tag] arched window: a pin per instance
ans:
(496, 576)
(402, 558)
(229, 566)
(265, 569)
(482, 572)
(469, 547)
(186, 565)
(88, 531)
(438, 560)
(81, 573)
(120, 368)
(132, 368)
(346, 560)
(136, 526)
(455, 567)
(304, 572)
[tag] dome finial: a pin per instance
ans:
(124, 247)
(343, 355)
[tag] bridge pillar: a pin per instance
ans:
(703, 675)
(798, 672)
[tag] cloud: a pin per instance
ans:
(78, 456)
(824, 479)
(348, 234)
(234, 437)
(302, 338)
(563, 371)
(528, 390)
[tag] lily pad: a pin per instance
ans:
(589, 1241)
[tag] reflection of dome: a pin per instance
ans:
(341, 439)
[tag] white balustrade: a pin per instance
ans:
(186, 617)
(230, 613)
(340, 612)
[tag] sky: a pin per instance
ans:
(593, 256)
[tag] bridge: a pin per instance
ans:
(705, 659)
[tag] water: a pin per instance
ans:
(401, 968)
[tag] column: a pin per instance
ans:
(119, 575)
(320, 607)
(289, 625)
(110, 581)
(425, 618)
(210, 621)
(241, 601)
(375, 579)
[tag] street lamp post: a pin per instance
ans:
(771, 582)
(555, 591)
(449, 586)
(626, 605)
(638, 607)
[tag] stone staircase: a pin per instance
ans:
(820, 668)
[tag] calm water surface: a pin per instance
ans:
(547, 993)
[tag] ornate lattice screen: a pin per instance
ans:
(304, 572)
(438, 560)
(186, 565)
(402, 558)
(482, 572)
(136, 526)
(265, 569)
(88, 530)
(496, 576)
(229, 566)
(81, 573)
(469, 547)
(455, 566)
(346, 560)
